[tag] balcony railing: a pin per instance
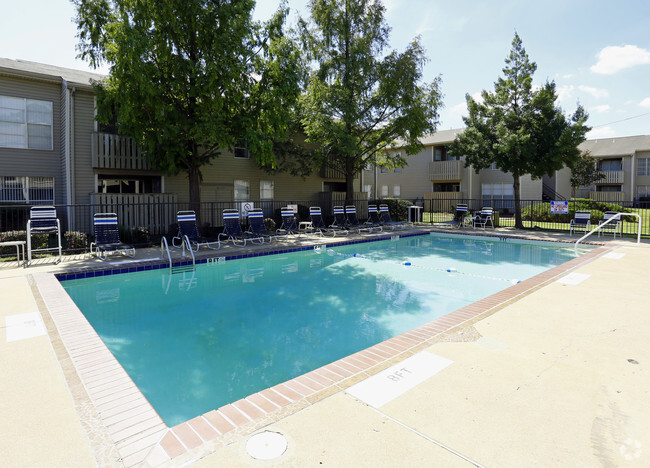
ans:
(441, 171)
(612, 177)
(116, 152)
(608, 196)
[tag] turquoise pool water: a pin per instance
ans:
(193, 342)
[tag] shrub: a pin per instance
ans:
(270, 224)
(141, 235)
(542, 211)
(397, 208)
(75, 240)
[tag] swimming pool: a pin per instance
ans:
(193, 342)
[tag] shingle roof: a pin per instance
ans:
(621, 146)
(48, 72)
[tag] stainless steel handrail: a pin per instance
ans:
(617, 216)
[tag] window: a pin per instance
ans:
(25, 123)
(609, 188)
(610, 165)
(242, 190)
(31, 190)
(446, 187)
(643, 167)
(367, 189)
(439, 153)
(384, 190)
(384, 170)
(266, 189)
(398, 170)
(493, 167)
(396, 191)
(128, 184)
(498, 196)
(643, 191)
(241, 150)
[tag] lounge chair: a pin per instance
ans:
(42, 219)
(187, 228)
(387, 221)
(353, 221)
(233, 232)
(581, 221)
(318, 225)
(107, 237)
(288, 226)
(483, 217)
(373, 217)
(462, 216)
(256, 226)
(612, 226)
(339, 220)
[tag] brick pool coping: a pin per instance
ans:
(125, 430)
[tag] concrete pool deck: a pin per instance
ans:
(558, 376)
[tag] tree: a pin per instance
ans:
(585, 172)
(520, 128)
(189, 78)
(358, 102)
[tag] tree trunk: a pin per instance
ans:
(515, 185)
(194, 178)
(349, 181)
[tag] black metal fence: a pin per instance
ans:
(146, 223)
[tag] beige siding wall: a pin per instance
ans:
(218, 177)
(563, 182)
(412, 179)
(83, 110)
(530, 189)
(28, 162)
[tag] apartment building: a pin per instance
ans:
(52, 151)
(434, 174)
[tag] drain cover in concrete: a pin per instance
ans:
(266, 445)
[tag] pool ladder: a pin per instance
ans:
(182, 268)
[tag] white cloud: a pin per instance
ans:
(595, 92)
(612, 59)
(603, 108)
(458, 111)
(645, 102)
(601, 132)
(565, 92)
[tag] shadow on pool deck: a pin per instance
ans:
(558, 377)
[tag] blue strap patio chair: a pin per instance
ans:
(353, 221)
(43, 220)
(484, 217)
(613, 226)
(188, 228)
(233, 232)
(256, 226)
(581, 222)
(462, 216)
(107, 237)
(340, 222)
(387, 221)
(318, 226)
(289, 226)
(373, 217)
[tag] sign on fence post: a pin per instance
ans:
(559, 207)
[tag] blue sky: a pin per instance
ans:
(597, 52)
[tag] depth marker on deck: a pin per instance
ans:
(396, 380)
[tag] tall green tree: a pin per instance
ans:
(358, 101)
(189, 78)
(520, 128)
(585, 172)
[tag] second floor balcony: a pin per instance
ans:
(444, 171)
(612, 177)
(111, 151)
